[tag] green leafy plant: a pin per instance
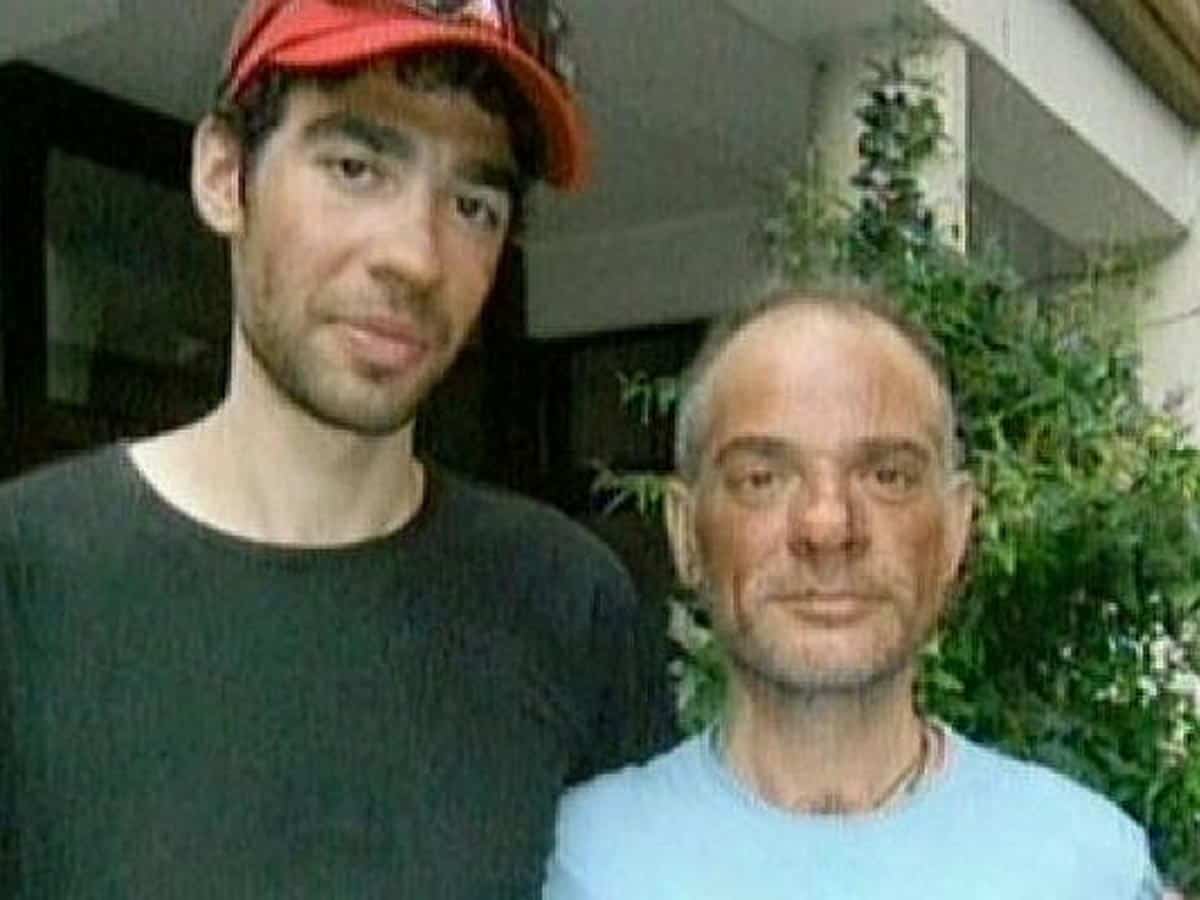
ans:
(1075, 639)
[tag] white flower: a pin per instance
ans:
(1190, 632)
(1109, 694)
(1165, 654)
(1147, 687)
(1187, 685)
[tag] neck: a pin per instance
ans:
(267, 471)
(825, 751)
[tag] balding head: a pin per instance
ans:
(860, 307)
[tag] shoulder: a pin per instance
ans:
(72, 490)
(52, 478)
(595, 817)
(669, 828)
(526, 532)
(997, 776)
(485, 507)
(69, 522)
(1029, 803)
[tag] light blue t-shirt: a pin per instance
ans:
(683, 827)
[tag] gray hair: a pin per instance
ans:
(843, 297)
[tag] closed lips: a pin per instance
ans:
(388, 328)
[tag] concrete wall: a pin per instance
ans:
(1068, 140)
(24, 24)
(696, 111)
(670, 272)
(1170, 324)
(694, 267)
(1066, 130)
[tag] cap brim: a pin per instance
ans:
(568, 161)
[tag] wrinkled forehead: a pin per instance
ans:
(824, 381)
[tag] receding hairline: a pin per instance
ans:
(852, 304)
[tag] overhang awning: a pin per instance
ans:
(1160, 39)
(27, 26)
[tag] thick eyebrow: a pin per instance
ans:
(761, 446)
(393, 142)
(877, 448)
(375, 137)
(486, 173)
(771, 448)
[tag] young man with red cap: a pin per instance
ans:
(274, 653)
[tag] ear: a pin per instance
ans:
(679, 512)
(217, 177)
(959, 514)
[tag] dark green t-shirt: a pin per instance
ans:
(188, 714)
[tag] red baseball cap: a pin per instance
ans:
(312, 35)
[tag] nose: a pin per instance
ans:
(408, 242)
(824, 515)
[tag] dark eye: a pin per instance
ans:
(760, 480)
(476, 210)
(893, 479)
(482, 211)
(890, 475)
(352, 168)
(352, 171)
(756, 485)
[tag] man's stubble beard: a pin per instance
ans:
(296, 369)
(286, 353)
(779, 667)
